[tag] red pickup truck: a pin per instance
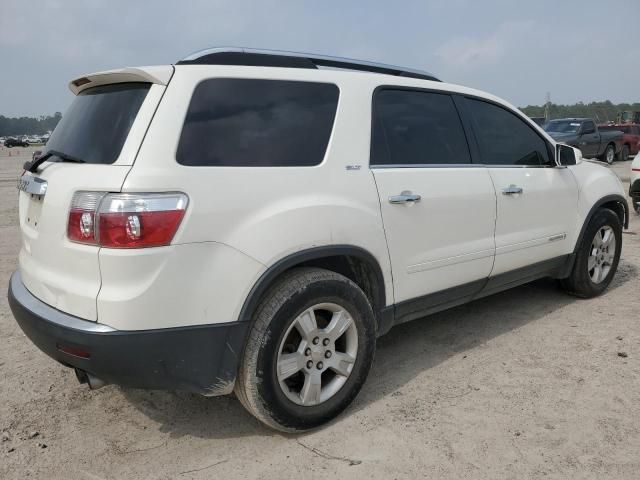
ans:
(630, 138)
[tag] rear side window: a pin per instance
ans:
(504, 138)
(97, 123)
(257, 123)
(417, 128)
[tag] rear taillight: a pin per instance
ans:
(125, 220)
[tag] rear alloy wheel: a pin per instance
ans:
(309, 350)
(597, 256)
(314, 363)
(609, 154)
(624, 153)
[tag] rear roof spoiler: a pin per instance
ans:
(157, 74)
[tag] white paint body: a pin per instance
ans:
(242, 220)
(635, 171)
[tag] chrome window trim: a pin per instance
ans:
(427, 165)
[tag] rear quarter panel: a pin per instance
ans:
(264, 214)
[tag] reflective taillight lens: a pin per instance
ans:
(81, 225)
(125, 220)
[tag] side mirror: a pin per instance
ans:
(565, 155)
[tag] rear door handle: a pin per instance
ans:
(405, 197)
(512, 190)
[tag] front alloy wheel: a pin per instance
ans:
(597, 256)
(603, 249)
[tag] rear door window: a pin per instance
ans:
(257, 123)
(417, 128)
(504, 138)
(96, 125)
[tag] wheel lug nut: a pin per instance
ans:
(325, 342)
(316, 341)
(307, 352)
(327, 354)
(309, 364)
(320, 365)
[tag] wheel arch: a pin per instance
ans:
(616, 203)
(355, 263)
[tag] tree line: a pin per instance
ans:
(601, 112)
(28, 125)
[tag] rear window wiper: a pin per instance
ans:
(33, 165)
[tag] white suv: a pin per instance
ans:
(252, 221)
(634, 183)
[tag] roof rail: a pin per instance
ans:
(280, 58)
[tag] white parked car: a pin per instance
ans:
(634, 188)
(253, 221)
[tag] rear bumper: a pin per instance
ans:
(202, 359)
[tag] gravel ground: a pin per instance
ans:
(528, 383)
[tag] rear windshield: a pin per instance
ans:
(258, 123)
(97, 123)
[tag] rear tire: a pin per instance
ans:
(624, 153)
(597, 256)
(299, 369)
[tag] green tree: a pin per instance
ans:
(601, 112)
(28, 125)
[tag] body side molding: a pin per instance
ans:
(445, 299)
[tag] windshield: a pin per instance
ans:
(97, 123)
(562, 126)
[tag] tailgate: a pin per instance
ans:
(104, 127)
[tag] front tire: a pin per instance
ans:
(309, 351)
(597, 256)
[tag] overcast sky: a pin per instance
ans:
(579, 50)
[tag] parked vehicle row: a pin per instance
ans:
(24, 141)
(253, 222)
(584, 134)
(15, 142)
(630, 138)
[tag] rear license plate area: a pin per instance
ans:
(34, 210)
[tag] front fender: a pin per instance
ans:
(598, 185)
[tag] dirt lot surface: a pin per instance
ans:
(530, 383)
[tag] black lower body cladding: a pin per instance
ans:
(634, 190)
(201, 359)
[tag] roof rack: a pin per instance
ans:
(279, 58)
